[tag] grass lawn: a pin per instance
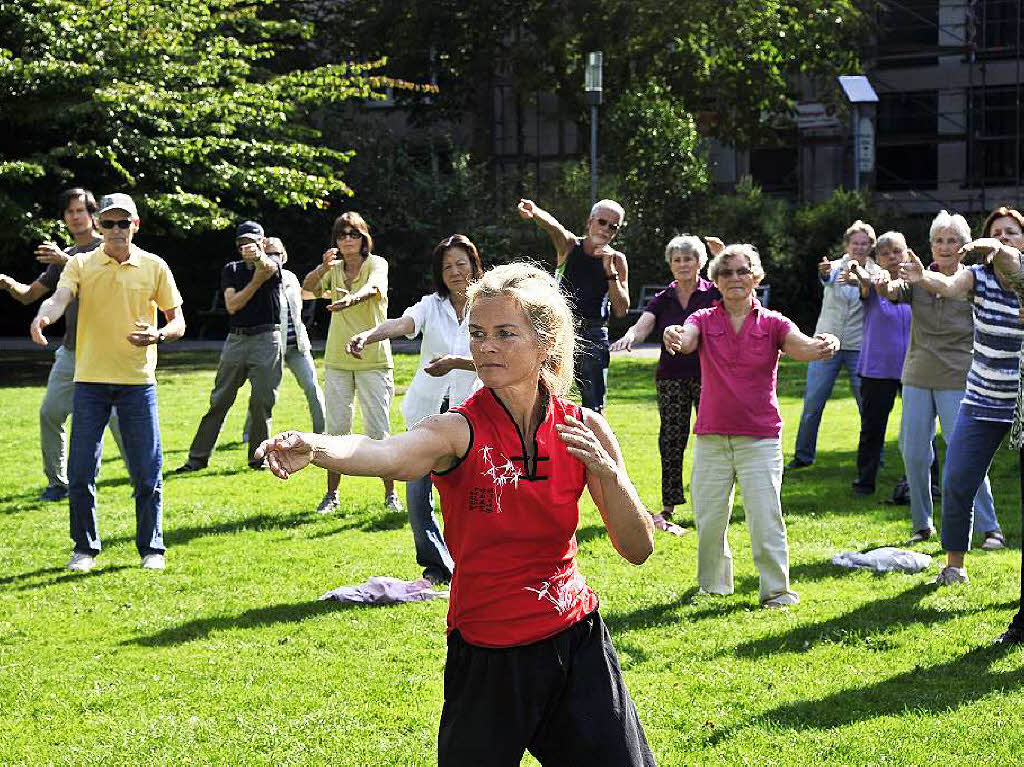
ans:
(227, 657)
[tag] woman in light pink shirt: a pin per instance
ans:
(737, 436)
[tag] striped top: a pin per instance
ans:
(994, 376)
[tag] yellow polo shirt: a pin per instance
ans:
(363, 316)
(111, 298)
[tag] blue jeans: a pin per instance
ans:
(431, 552)
(821, 376)
(140, 433)
(592, 359)
(972, 446)
(920, 407)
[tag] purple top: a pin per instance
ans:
(740, 371)
(668, 311)
(885, 338)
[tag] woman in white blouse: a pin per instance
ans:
(446, 378)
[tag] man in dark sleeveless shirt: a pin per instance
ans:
(593, 276)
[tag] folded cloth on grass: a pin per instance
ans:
(382, 590)
(885, 560)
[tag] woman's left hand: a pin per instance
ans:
(582, 443)
(341, 304)
(286, 453)
(828, 345)
(982, 249)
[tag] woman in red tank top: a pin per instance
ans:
(530, 664)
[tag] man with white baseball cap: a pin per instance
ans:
(119, 288)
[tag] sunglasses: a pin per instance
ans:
(274, 252)
(607, 224)
(350, 234)
(121, 223)
(741, 272)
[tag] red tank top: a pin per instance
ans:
(511, 528)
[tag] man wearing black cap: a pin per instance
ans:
(252, 351)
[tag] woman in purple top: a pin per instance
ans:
(677, 378)
(884, 343)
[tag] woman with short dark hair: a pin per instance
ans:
(445, 378)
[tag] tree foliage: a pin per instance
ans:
(175, 102)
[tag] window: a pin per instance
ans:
(996, 148)
(907, 141)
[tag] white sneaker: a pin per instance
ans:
(780, 601)
(949, 575)
(329, 504)
(993, 540)
(154, 562)
(81, 563)
(391, 502)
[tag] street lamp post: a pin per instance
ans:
(592, 89)
(859, 91)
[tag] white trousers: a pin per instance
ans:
(376, 389)
(756, 462)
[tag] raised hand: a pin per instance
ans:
(982, 249)
(440, 366)
(582, 443)
(824, 268)
(827, 345)
(286, 453)
(331, 257)
(51, 253)
(912, 270)
(715, 245)
(526, 209)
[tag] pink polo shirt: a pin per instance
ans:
(739, 371)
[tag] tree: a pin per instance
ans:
(175, 102)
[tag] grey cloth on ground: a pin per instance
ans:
(383, 589)
(53, 415)
(256, 359)
(885, 560)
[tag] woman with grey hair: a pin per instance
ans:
(737, 435)
(935, 371)
(843, 316)
(677, 377)
(530, 662)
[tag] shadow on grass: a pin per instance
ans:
(651, 616)
(854, 626)
(290, 612)
(938, 689)
(63, 575)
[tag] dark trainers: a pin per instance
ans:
(54, 493)
(859, 489)
(920, 536)
(1011, 636)
(186, 467)
(796, 463)
(993, 540)
(949, 575)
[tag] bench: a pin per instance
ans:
(214, 315)
(647, 292)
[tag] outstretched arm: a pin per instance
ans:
(958, 285)
(561, 238)
(628, 523)
(435, 444)
(22, 293)
(681, 339)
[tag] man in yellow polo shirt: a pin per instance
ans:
(119, 288)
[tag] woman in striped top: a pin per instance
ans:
(986, 411)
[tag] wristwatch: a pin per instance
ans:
(160, 337)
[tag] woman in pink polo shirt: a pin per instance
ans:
(737, 435)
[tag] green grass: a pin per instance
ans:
(228, 658)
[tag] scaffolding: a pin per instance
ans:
(948, 74)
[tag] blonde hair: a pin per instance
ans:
(893, 240)
(686, 243)
(861, 227)
(956, 222)
(545, 308)
(746, 250)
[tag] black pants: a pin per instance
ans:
(676, 398)
(562, 698)
(877, 396)
(592, 358)
(1018, 619)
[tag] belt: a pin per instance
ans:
(255, 330)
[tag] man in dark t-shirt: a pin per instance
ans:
(593, 276)
(252, 351)
(77, 207)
